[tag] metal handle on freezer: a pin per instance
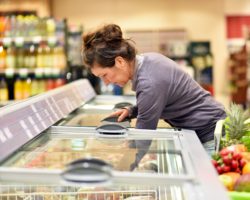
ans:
(89, 171)
(112, 131)
(218, 134)
(122, 105)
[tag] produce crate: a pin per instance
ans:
(218, 134)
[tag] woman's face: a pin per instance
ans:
(119, 74)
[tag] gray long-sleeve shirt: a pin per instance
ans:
(165, 91)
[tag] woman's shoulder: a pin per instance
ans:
(156, 69)
(153, 55)
(157, 58)
(155, 62)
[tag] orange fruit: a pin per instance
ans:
(227, 181)
(246, 156)
(233, 175)
(246, 168)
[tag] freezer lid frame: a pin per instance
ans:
(195, 156)
(184, 140)
(208, 182)
(173, 192)
(164, 152)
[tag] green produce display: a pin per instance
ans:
(232, 162)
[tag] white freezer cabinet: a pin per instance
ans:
(42, 161)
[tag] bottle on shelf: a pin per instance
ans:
(29, 56)
(48, 56)
(40, 61)
(59, 58)
(26, 87)
(22, 86)
(2, 56)
(18, 88)
(9, 77)
(4, 94)
(7, 27)
(49, 85)
(2, 26)
(32, 25)
(11, 57)
(19, 26)
(13, 26)
(32, 56)
(60, 80)
(51, 27)
(26, 56)
(19, 56)
(42, 84)
(36, 85)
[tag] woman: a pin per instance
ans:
(163, 90)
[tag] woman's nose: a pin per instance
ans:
(106, 82)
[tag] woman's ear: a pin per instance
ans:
(120, 62)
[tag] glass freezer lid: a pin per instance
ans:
(117, 192)
(157, 155)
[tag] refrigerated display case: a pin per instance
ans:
(100, 107)
(40, 160)
(95, 110)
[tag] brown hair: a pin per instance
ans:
(104, 45)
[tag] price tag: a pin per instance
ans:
(2, 137)
(33, 124)
(8, 133)
(27, 131)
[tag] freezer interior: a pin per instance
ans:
(157, 155)
(94, 118)
(109, 102)
(100, 107)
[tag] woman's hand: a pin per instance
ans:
(121, 114)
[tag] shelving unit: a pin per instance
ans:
(33, 55)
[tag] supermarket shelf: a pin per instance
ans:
(32, 71)
(33, 39)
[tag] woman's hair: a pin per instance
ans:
(104, 45)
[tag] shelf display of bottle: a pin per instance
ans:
(32, 55)
(29, 26)
(21, 85)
